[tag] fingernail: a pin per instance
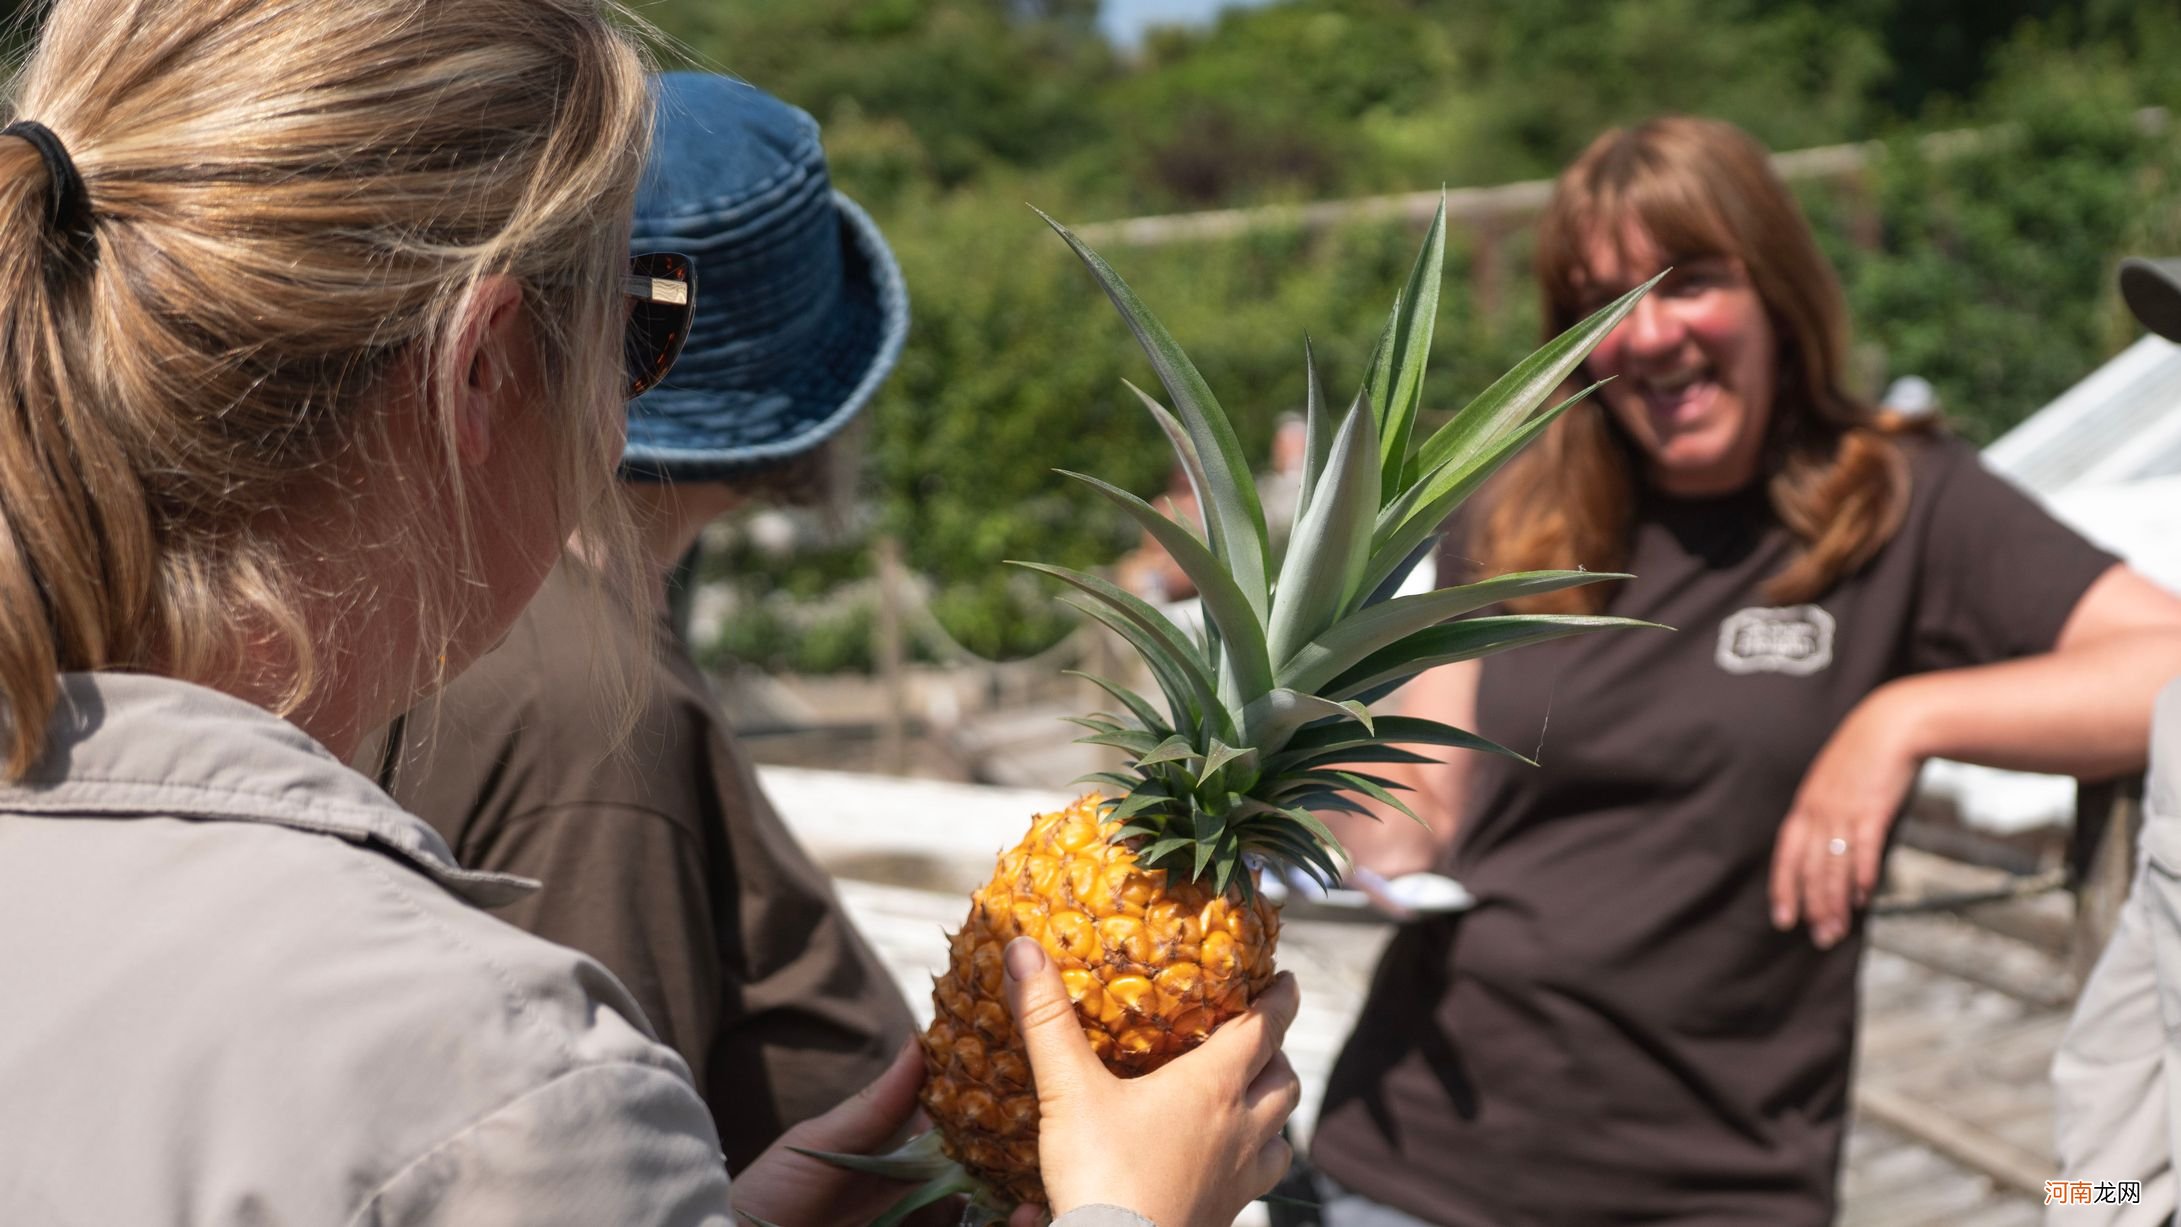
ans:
(1782, 919)
(1024, 958)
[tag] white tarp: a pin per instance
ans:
(2105, 457)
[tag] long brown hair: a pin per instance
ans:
(288, 199)
(1837, 477)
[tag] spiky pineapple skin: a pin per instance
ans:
(1152, 967)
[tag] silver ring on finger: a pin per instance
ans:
(1836, 846)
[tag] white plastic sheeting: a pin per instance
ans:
(2105, 457)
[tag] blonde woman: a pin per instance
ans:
(312, 327)
(1650, 1014)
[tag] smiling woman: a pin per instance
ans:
(1649, 1014)
(1732, 372)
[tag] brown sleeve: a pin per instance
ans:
(2000, 576)
(809, 1015)
(740, 956)
(659, 857)
(626, 885)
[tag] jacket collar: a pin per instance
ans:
(127, 745)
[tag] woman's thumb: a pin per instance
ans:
(1060, 1056)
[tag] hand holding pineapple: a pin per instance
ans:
(1235, 1091)
(785, 1185)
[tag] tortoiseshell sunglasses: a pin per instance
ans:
(662, 292)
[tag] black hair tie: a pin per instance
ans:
(69, 201)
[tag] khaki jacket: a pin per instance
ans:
(2117, 1076)
(238, 986)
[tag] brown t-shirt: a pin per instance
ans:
(659, 857)
(1617, 1034)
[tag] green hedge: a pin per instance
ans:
(1994, 275)
(1990, 275)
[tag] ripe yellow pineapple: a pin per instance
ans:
(1152, 966)
(1146, 896)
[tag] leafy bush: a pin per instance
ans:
(1988, 274)
(1994, 275)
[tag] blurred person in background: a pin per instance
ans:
(318, 315)
(1650, 1013)
(1151, 573)
(2117, 1076)
(655, 850)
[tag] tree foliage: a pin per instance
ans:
(1988, 274)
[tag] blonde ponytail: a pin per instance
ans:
(75, 530)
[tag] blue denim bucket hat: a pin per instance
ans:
(800, 311)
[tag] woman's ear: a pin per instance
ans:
(485, 365)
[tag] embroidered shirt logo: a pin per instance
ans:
(1796, 640)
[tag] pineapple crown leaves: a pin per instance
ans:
(921, 1159)
(1265, 718)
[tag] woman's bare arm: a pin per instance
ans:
(1394, 844)
(2083, 709)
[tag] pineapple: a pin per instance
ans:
(1145, 895)
(1152, 960)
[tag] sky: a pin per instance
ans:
(1124, 21)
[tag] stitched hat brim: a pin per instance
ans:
(722, 435)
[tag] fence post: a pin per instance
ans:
(893, 754)
(1487, 267)
(2102, 857)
